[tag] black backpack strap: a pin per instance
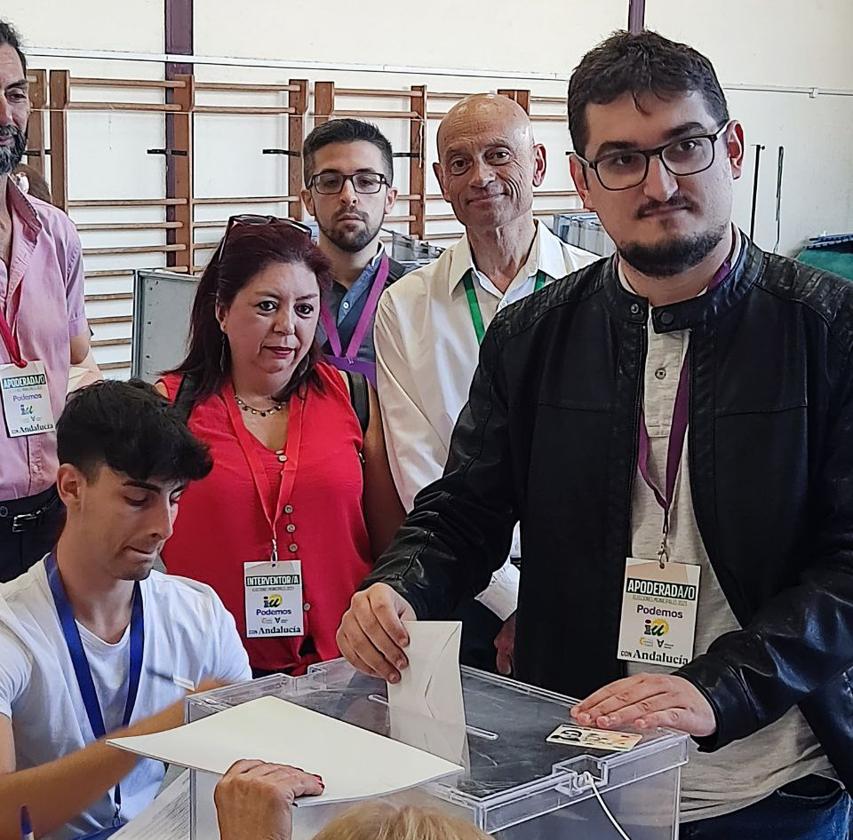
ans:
(360, 398)
(395, 271)
(185, 398)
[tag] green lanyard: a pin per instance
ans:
(474, 304)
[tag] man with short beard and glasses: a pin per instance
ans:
(673, 426)
(43, 328)
(349, 174)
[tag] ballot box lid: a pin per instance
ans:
(512, 773)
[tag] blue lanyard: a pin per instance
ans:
(81, 663)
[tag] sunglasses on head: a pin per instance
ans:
(256, 219)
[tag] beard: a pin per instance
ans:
(351, 241)
(11, 156)
(674, 256)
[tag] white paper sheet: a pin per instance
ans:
(354, 763)
(166, 818)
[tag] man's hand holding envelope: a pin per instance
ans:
(372, 636)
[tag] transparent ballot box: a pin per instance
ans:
(515, 785)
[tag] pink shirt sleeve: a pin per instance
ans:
(74, 285)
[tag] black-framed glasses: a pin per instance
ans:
(331, 183)
(257, 219)
(686, 156)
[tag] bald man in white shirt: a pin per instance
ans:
(429, 324)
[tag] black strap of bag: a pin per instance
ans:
(185, 399)
(359, 395)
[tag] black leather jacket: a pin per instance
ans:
(550, 437)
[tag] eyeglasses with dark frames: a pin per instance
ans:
(626, 169)
(331, 183)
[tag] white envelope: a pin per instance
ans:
(444, 740)
(426, 707)
(431, 686)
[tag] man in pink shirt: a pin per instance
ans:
(43, 331)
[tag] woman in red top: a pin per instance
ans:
(299, 502)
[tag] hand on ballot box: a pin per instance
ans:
(372, 636)
(646, 701)
(254, 799)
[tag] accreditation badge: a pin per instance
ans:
(658, 623)
(273, 595)
(26, 400)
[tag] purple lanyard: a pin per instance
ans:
(677, 434)
(364, 321)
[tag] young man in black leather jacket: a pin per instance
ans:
(673, 426)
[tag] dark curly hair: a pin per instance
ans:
(9, 35)
(639, 64)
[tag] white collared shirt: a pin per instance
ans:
(426, 354)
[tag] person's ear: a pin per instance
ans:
(308, 201)
(735, 148)
(439, 174)
(540, 164)
(70, 485)
(390, 199)
(578, 170)
(221, 313)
